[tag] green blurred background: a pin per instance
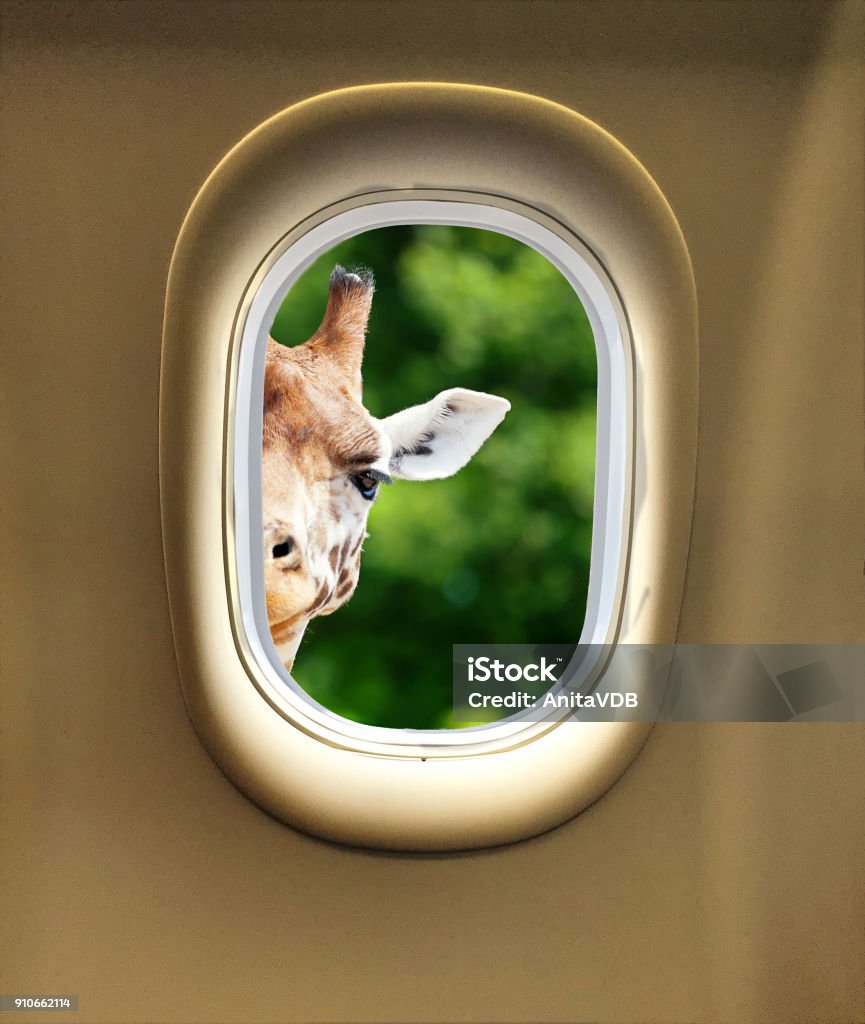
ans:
(498, 553)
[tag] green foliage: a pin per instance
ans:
(498, 553)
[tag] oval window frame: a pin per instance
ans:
(612, 497)
(478, 787)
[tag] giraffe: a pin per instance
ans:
(325, 457)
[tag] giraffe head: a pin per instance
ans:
(325, 456)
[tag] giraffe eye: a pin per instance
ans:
(367, 484)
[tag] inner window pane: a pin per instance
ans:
(499, 551)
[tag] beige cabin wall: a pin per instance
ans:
(722, 878)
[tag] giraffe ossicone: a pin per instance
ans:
(325, 457)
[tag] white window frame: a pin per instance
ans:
(344, 160)
(614, 455)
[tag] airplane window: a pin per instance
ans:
(488, 366)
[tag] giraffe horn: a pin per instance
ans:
(343, 329)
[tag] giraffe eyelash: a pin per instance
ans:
(377, 475)
(367, 482)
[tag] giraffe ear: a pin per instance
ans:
(438, 438)
(340, 338)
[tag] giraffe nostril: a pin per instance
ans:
(284, 548)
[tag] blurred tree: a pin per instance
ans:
(498, 553)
